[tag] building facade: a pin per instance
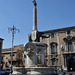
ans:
(1, 42)
(60, 47)
(17, 57)
(60, 44)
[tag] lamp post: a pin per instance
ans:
(13, 30)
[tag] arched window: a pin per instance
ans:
(68, 40)
(53, 47)
(70, 46)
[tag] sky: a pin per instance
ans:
(51, 14)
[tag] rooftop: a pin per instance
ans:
(60, 29)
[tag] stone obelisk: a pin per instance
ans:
(34, 16)
(34, 31)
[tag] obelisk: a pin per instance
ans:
(35, 16)
(34, 31)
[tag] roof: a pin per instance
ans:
(6, 49)
(21, 45)
(14, 49)
(60, 29)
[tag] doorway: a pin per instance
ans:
(71, 64)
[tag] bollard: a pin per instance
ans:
(70, 73)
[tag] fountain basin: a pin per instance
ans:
(19, 70)
(39, 70)
(33, 70)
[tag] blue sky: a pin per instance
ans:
(51, 14)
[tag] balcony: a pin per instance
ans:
(69, 52)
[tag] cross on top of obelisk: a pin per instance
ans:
(34, 2)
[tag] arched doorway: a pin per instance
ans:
(71, 64)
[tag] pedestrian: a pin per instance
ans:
(61, 68)
(55, 69)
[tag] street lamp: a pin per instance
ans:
(13, 30)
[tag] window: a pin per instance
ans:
(68, 32)
(52, 34)
(52, 49)
(53, 61)
(69, 46)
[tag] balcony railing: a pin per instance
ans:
(69, 52)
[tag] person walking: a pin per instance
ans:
(56, 69)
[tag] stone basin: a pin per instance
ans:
(39, 70)
(33, 70)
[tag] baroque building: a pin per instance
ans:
(60, 47)
(60, 44)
